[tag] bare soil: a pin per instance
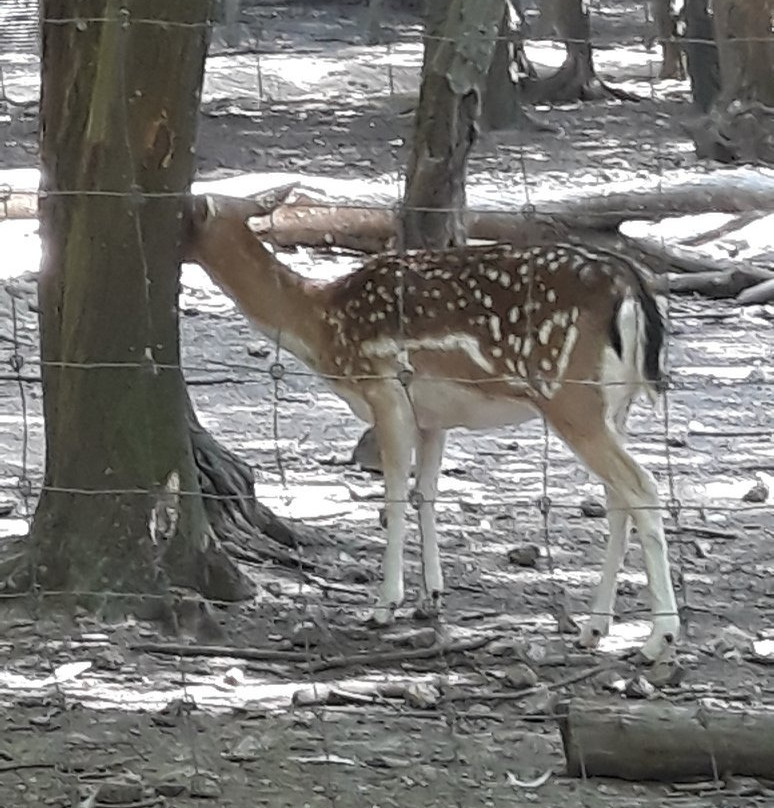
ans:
(462, 727)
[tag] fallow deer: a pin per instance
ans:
(476, 337)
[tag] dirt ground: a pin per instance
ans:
(299, 704)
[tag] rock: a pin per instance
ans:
(638, 687)
(524, 555)
(422, 696)
(758, 493)
(593, 508)
(123, 791)
(520, 676)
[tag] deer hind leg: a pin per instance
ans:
(430, 445)
(582, 424)
(395, 430)
(601, 618)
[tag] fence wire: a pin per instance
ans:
(291, 697)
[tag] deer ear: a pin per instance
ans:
(268, 201)
(199, 208)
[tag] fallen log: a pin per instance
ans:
(722, 283)
(658, 740)
(762, 292)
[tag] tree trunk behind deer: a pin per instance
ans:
(460, 40)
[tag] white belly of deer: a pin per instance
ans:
(446, 405)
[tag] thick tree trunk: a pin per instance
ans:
(741, 125)
(701, 54)
(657, 740)
(460, 43)
(121, 509)
(576, 79)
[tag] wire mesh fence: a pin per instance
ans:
(292, 698)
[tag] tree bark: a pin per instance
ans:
(740, 127)
(666, 31)
(121, 509)
(576, 79)
(502, 108)
(460, 38)
(701, 54)
(661, 741)
(460, 44)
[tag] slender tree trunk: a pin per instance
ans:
(121, 509)
(666, 31)
(502, 107)
(459, 46)
(701, 54)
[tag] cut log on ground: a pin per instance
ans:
(724, 283)
(657, 740)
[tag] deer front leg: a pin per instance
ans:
(395, 430)
(430, 446)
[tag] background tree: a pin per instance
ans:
(701, 54)
(121, 508)
(741, 126)
(576, 79)
(460, 38)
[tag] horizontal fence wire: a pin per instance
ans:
(293, 697)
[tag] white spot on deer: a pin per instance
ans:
(521, 367)
(513, 314)
(368, 286)
(505, 280)
(544, 332)
(494, 327)
(574, 314)
(524, 270)
(545, 364)
(487, 302)
(510, 364)
(551, 296)
(561, 318)
(497, 352)
(462, 302)
(388, 348)
(420, 310)
(514, 342)
(435, 293)
(371, 298)
(526, 348)
(477, 294)
(492, 274)
(565, 353)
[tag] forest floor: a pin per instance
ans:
(89, 719)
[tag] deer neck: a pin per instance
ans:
(279, 302)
